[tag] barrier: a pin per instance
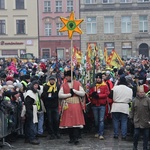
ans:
(4, 130)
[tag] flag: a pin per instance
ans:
(114, 60)
(79, 56)
(105, 55)
(88, 57)
(74, 58)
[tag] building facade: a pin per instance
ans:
(123, 25)
(18, 28)
(52, 41)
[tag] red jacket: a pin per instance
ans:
(102, 92)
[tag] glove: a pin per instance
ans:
(95, 95)
(71, 92)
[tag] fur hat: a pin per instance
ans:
(67, 73)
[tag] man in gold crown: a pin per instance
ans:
(72, 116)
(140, 114)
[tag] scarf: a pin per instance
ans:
(52, 87)
(100, 84)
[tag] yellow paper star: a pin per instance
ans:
(71, 25)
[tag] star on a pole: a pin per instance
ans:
(71, 25)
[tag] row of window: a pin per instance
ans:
(47, 5)
(126, 24)
(113, 1)
(58, 6)
(18, 3)
(91, 25)
(21, 28)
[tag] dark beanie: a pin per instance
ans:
(52, 77)
(27, 76)
(14, 93)
(99, 75)
(123, 80)
(34, 82)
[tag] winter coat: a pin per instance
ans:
(140, 112)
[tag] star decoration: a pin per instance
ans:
(71, 25)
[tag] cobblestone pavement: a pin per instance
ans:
(87, 142)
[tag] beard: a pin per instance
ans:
(99, 82)
(34, 90)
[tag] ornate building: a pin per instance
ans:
(123, 25)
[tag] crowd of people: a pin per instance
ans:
(44, 98)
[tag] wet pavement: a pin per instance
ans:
(87, 142)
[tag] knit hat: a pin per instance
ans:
(52, 77)
(26, 77)
(99, 75)
(123, 80)
(14, 93)
(9, 78)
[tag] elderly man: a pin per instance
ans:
(140, 114)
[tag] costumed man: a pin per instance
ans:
(98, 94)
(122, 96)
(72, 111)
(50, 99)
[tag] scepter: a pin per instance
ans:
(71, 25)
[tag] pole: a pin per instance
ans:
(71, 64)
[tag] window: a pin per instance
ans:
(125, 1)
(126, 50)
(91, 25)
(47, 6)
(2, 4)
(126, 24)
(10, 52)
(2, 27)
(19, 4)
(20, 24)
(60, 53)
(143, 23)
(45, 53)
(110, 46)
(108, 1)
(109, 24)
(143, 1)
(58, 27)
(90, 1)
(69, 5)
(58, 6)
(48, 29)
